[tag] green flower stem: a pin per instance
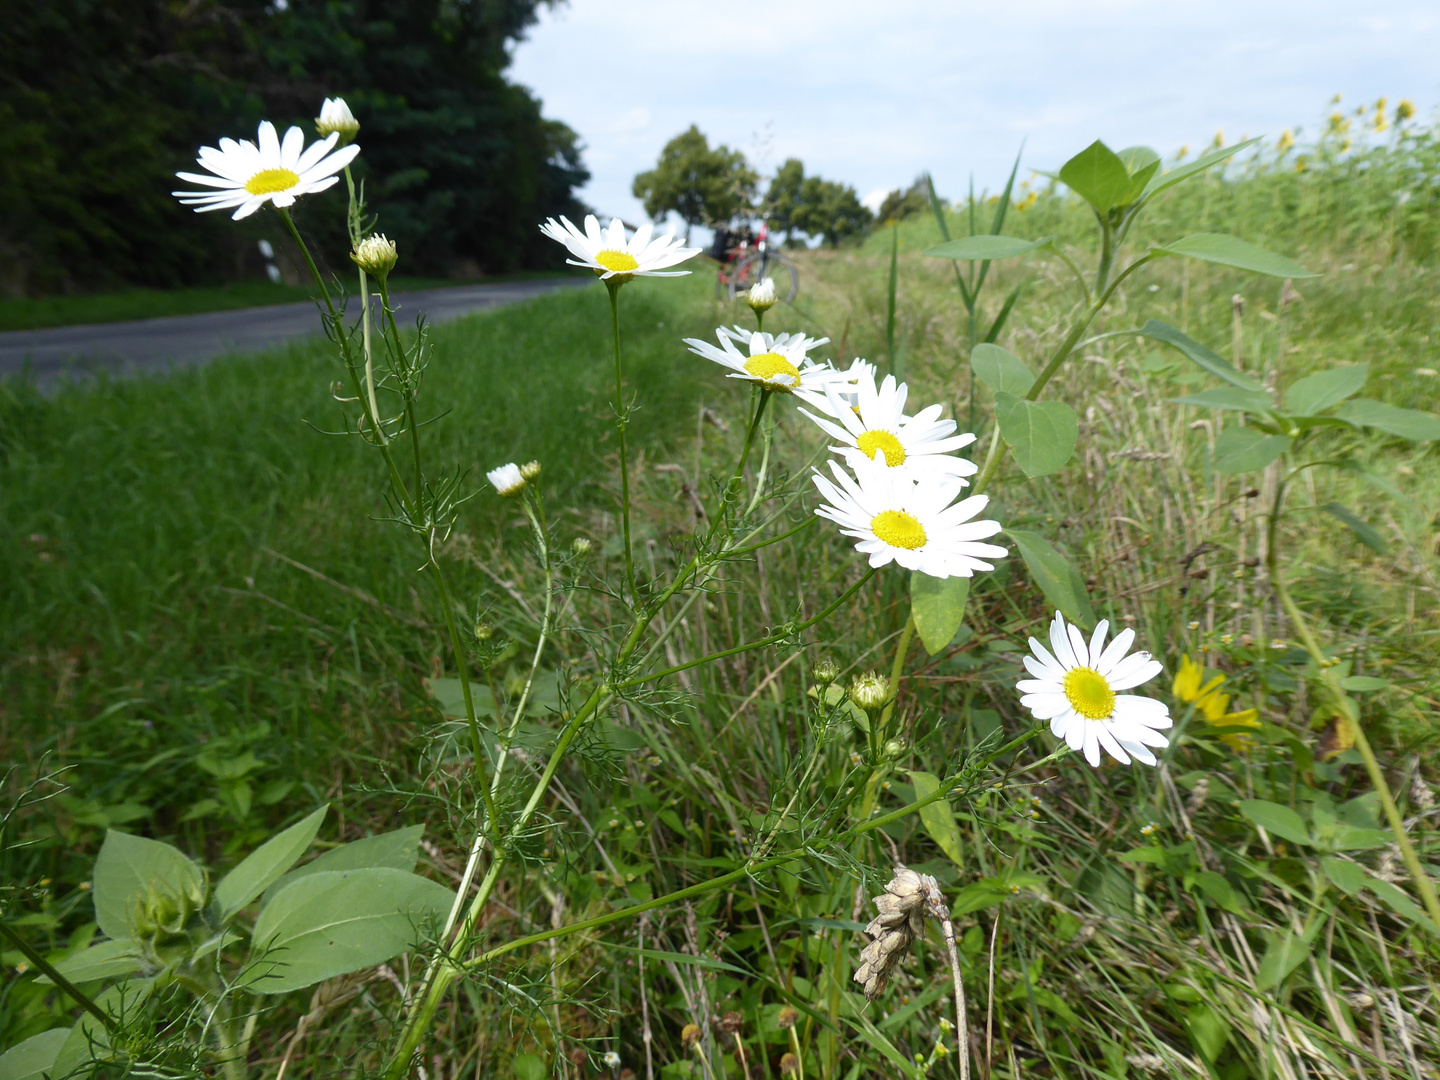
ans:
(369, 364)
(897, 669)
(65, 985)
(841, 838)
(622, 419)
(394, 334)
(1423, 885)
(309, 261)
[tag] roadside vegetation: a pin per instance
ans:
(209, 630)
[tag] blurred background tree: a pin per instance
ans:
(816, 207)
(899, 205)
(100, 104)
(704, 186)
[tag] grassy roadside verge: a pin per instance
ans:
(131, 304)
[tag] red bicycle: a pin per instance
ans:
(746, 258)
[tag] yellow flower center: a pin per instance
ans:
(1089, 694)
(269, 181)
(882, 442)
(619, 261)
(768, 365)
(898, 529)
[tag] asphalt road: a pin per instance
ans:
(154, 346)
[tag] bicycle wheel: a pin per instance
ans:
(759, 265)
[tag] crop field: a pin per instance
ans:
(211, 628)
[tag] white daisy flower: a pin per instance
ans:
(610, 255)
(1078, 690)
(877, 429)
(897, 519)
(248, 175)
(507, 479)
(776, 362)
(335, 115)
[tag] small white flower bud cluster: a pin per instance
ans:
(375, 255)
(902, 909)
(335, 116)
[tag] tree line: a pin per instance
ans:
(714, 186)
(101, 103)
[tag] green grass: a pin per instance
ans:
(150, 641)
(34, 314)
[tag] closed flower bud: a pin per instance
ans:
(507, 479)
(483, 631)
(825, 672)
(581, 547)
(894, 748)
(870, 691)
(690, 1035)
(336, 118)
(375, 255)
(530, 470)
(787, 1017)
(761, 296)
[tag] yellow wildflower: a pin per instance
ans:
(1404, 111)
(1286, 141)
(1213, 705)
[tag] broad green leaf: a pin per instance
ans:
(1346, 876)
(985, 248)
(1219, 890)
(1363, 530)
(1277, 820)
(1229, 397)
(337, 921)
(1283, 954)
(1361, 684)
(31, 1059)
(1208, 1031)
(1148, 854)
(938, 818)
(1138, 159)
(1326, 389)
(938, 607)
(1230, 251)
(1409, 424)
(1350, 838)
(1211, 361)
(1398, 901)
(263, 866)
(1001, 371)
(1165, 181)
(1099, 177)
(398, 850)
(1041, 434)
(129, 865)
(1239, 450)
(979, 895)
(1057, 578)
(103, 961)
(529, 1067)
(88, 1039)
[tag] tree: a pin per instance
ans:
(814, 206)
(704, 186)
(100, 104)
(783, 194)
(899, 205)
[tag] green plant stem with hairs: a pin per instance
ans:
(1345, 706)
(622, 420)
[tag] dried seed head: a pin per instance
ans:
(690, 1035)
(1420, 793)
(789, 1065)
(730, 1023)
(901, 919)
(578, 1057)
(1198, 795)
(787, 1018)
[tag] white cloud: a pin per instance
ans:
(873, 96)
(875, 199)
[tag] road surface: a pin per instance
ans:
(151, 346)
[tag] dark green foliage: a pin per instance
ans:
(703, 186)
(814, 206)
(102, 103)
(901, 204)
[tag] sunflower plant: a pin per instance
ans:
(918, 514)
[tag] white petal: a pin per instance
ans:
(1115, 651)
(1112, 747)
(1097, 642)
(1060, 642)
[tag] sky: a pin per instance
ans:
(873, 95)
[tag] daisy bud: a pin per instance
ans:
(611, 1059)
(530, 470)
(690, 1035)
(894, 748)
(336, 117)
(581, 547)
(825, 672)
(483, 632)
(507, 479)
(870, 691)
(789, 1065)
(787, 1018)
(761, 296)
(375, 255)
